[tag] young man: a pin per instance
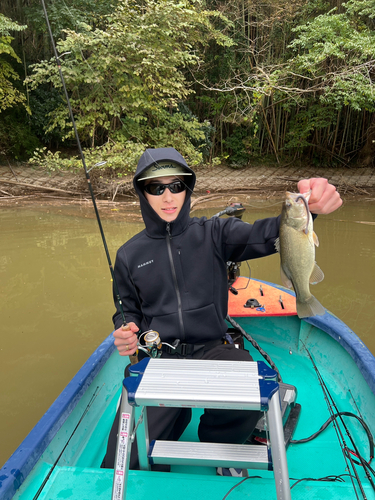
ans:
(172, 278)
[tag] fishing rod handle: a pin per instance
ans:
(133, 357)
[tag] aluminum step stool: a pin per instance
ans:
(200, 384)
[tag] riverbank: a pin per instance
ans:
(24, 184)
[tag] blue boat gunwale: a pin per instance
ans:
(19, 465)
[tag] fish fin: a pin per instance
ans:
(277, 244)
(317, 275)
(315, 239)
(284, 279)
(312, 307)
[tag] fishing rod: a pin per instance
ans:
(152, 339)
(125, 326)
(332, 408)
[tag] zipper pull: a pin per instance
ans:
(169, 230)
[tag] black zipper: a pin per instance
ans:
(179, 303)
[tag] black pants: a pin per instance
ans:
(216, 426)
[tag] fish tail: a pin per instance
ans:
(309, 307)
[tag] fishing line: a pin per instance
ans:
(89, 405)
(84, 164)
(346, 452)
(115, 286)
(260, 207)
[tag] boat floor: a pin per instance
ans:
(77, 475)
(315, 459)
(86, 484)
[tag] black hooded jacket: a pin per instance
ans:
(172, 277)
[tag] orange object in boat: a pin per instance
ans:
(273, 301)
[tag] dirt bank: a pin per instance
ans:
(215, 186)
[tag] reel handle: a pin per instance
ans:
(133, 357)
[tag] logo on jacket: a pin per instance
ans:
(146, 263)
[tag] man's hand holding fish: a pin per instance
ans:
(297, 240)
(324, 198)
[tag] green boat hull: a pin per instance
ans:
(74, 443)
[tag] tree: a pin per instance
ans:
(126, 79)
(9, 95)
(299, 81)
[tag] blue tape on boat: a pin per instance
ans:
(28, 453)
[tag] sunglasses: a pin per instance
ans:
(174, 187)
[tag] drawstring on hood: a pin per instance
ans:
(155, 226)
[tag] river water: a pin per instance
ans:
(56, 300)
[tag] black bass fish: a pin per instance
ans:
(296, 245)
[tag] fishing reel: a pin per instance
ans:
(233, 210)
(153, 344)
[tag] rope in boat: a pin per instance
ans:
(255, 344)
(330, 420)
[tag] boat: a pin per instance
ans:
(330, 368)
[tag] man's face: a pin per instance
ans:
(167, 205)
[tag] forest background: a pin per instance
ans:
(223, 81)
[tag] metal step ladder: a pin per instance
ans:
(200, 384)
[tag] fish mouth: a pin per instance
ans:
(300, 199)
(297, 196)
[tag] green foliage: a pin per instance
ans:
(304, 123)
(363, 8)
(17, 137)
(7, 26)
(214, 78)
(68, 14)
(237, 144)
(9, 94)
(127, 79)
(119, 157)
(43, 101)
(335, 51)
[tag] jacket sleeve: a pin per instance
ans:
(126, 291)
(241, 241)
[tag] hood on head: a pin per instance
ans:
(162, 162)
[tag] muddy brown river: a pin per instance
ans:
(56, 300)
